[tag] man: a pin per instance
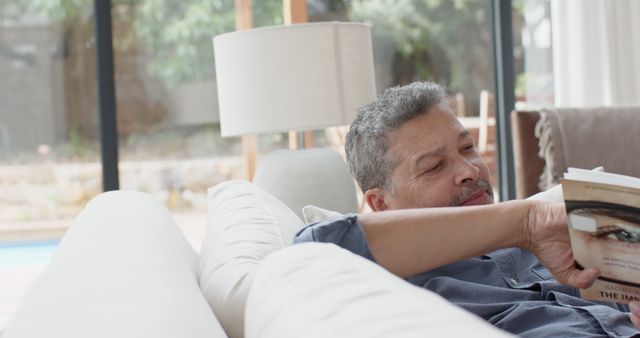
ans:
(412, 159)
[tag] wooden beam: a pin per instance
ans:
(244, 16)
(244, 20)
(250, 152)
(293, 139)
(308, 138)
(295, 11)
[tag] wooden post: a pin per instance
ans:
(244, 20)
(295, 11)
(293, 139)
(484, 122)
(244, 17)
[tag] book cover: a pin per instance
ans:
(603, 211)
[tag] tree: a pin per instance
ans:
(445, 41)
(448, 41)
(177, 34)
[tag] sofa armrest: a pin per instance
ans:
(123, 269)
(528, 165)
(572, 137)
(322, 290)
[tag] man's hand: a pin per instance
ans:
(410, 241)
(635, 313)
(548, 238)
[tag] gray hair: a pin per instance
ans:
(367, 141)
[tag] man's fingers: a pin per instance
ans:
(585, 278)
(635, 320)
(635, 313)
(582, 278)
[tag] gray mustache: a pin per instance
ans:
(469, 189)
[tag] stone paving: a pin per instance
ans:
(54, 191)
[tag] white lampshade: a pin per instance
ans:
(295, 77)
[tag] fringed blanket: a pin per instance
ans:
(588, 138)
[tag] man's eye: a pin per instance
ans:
(433, 168)
(469, 148)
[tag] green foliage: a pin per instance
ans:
(78, 148)
(448, 41)
(521, 85)
(178, 34)
(518, 6)
(394, 19)
(443, 40)
(64, 11)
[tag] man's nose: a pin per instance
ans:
(466, 171)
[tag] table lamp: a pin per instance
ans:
(293, 77)
(296, 77)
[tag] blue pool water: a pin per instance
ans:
(26, 254)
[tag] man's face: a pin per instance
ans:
(437, 165)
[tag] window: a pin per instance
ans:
(49, 159)
(449, 42)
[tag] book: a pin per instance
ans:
(603, 211)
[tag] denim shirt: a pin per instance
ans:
(509, 288)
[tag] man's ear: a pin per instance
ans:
(375, 198)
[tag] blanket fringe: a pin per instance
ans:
(543, 132)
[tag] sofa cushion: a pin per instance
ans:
(322, 290)
(123, 269)
(317, 176)
(244, 225)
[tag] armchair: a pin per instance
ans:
(548, 141)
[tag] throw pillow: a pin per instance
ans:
(313, 214)
(244, 225)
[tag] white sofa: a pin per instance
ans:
(124, 270)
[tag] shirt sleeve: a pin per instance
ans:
(345, 232)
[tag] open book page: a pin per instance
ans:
(602, 177)
(604, 226)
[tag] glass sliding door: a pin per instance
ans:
(49, 155)
(448, 42)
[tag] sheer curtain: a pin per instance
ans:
(596, 52)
